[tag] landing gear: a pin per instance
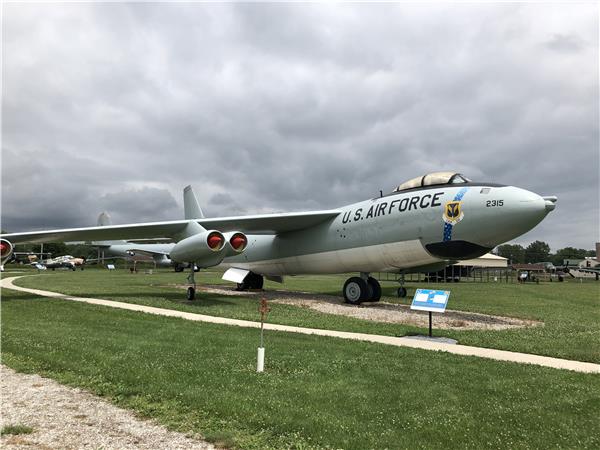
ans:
(191, 290)
(375, 289)
(355, 290)
(191, 293)
(252, 281)
(362, 289)
(402, 290)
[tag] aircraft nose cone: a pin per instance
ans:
(550, 202)
(530, 209)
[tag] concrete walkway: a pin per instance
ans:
(500, 355)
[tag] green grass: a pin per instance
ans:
(316, 392)
(16, 429)
(570, 311)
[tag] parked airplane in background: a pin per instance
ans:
(424, 225)
(66, 261)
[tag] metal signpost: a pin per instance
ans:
(264, 310)
(431, 301)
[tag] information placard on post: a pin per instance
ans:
(430, 300)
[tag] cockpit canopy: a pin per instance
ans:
(433, 179)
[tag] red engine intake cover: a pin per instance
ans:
(214, 241)
(238, 241)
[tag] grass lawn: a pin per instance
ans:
(316, 392)
(570, 310)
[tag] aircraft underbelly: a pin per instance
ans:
(374, 258)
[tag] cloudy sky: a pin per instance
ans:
(288, 107)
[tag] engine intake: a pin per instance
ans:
(237, 242)
(6, 250)
(204, 249)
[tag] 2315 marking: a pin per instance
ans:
(491, 203)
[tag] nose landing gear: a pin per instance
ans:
(361, 289)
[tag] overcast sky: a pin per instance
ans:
(267, 108)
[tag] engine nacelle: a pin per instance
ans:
(236, 243)
(6, 250)
(205, 249)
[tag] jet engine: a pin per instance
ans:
(205, 249)
(236, 243)
(6, 250)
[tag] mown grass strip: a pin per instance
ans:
(570, 311)
(316, 392)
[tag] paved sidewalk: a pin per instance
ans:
(500, 355)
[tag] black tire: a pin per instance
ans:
(374, 290)
(191, 293)
(255, 281)
(356, 290)
(179, 268)
(402, 292)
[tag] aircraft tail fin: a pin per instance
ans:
(104, 220)
(191, 207)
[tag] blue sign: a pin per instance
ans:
(430, 300)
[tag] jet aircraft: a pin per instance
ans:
(148, 250)
(423, 225)
(66, 261)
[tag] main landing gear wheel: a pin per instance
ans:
(356, 290)
(252, 281)
(374, 290)
(402, 292)
(191, 293)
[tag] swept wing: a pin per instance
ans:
(256, 224)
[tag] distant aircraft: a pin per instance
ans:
(66, 261)
(424, 225)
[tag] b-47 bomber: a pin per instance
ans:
(423, 225)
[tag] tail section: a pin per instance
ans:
(191, 208)
(103, 221)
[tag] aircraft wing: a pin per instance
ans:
(258, 224)
(140, 251)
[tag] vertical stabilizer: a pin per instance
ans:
(191, 208)
(104, 219)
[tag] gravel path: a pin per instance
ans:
(68, 418)
(382, 311)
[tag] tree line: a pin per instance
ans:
(539, 251)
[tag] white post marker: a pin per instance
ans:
(430, 300)
(260, 359)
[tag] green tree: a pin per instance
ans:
(515, 253)
(537, 251)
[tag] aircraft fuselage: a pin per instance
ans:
(421, 227)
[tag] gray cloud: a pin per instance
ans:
(281, 107)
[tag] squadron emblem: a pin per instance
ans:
(453, 212)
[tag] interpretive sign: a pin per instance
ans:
(430, 300)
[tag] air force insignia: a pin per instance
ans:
(453, 212)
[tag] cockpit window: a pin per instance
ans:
(433, 179)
